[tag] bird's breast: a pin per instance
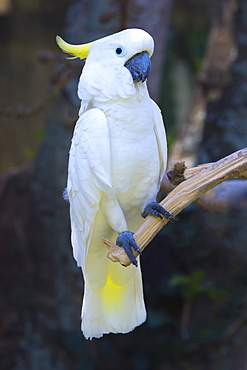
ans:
(135, 164)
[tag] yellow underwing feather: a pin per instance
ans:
(112, 293)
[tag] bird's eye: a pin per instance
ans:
(119, 51)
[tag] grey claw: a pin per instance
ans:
(127, 241)
(157, 210)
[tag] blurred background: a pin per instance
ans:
(194, 271)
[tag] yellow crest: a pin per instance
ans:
(79, 51)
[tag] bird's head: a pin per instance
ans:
(131, 48)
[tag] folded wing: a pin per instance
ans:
(88, 176)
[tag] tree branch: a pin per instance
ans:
(187, 192)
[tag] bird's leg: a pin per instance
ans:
(127, 241)
(155, 209)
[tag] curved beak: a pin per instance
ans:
(139, 66)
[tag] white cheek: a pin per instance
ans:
(124, 86)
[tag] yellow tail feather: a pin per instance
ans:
(113, 308)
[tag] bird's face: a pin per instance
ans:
(115, 65)
(129, 49)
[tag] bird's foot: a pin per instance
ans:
(155, 209)
(127, 242)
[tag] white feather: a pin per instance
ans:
(89, 175)
(160, 133)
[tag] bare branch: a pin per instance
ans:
(218, 199)
(232, 166)
(177, 174)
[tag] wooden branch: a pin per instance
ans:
(232, 166)
(218, 199)
(179, 173)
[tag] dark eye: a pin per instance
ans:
(119, 50)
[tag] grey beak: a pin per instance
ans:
(139, 66)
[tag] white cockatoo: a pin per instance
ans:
(116, 163)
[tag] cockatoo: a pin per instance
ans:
(116, 162)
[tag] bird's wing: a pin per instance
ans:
(160, 137)
(89, 176)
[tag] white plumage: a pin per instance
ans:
(117, 160)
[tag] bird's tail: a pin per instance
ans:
(117, 306)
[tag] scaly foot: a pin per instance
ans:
(127, 242)
(155, 209)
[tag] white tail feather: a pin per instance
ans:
(113, 308)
